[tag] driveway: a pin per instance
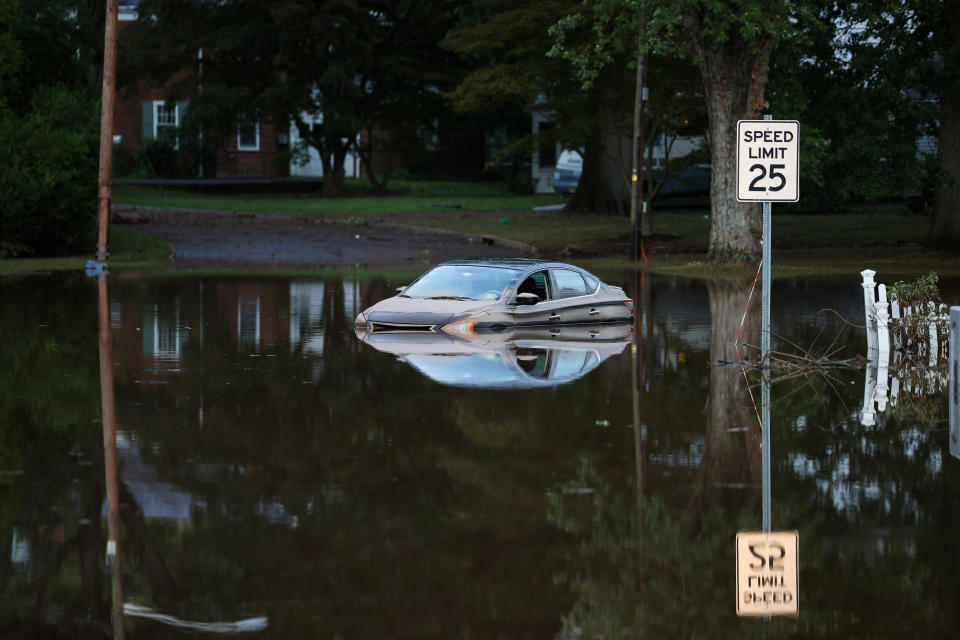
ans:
(209, 238)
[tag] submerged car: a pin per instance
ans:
(463, 298)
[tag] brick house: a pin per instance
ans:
(145, 115)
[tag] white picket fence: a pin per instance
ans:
(887, 340)
(886, 322)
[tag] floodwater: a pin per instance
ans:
(279, 478)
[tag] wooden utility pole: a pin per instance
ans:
(106, 127)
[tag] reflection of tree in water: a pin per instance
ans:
(422, 504)
(874, 508)
(330, 491)
(646, 569)
(732, 454)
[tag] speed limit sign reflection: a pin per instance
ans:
(768, 160)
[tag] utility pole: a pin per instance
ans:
(106, 127)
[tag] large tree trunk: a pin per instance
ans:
(732, 455)
(333, 171)
(602, 188)
(734, 76)
(945, 227)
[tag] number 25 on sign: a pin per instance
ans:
(768, 160)
(767, 572)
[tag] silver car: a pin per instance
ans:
(463, 298)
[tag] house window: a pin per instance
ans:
(248, 136)
(166, 121)
(248, 323)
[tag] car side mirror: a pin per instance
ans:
(401, 289)
(525, 299)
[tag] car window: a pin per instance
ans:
(567, 284)
(535, 283)
(568, 362)
(470, 282)
(533, 362)
(592, 283)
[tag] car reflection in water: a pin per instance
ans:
(511, 359)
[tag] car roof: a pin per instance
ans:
(510, 263)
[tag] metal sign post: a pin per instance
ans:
(765, 360)
(767, 171)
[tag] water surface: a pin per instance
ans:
(274, 467)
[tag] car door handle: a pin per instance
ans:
(594, 333)
(594, 313)
(554, 332)
(555, 317)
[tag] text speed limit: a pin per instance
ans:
(768, 163)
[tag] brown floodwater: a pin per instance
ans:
(277, 477)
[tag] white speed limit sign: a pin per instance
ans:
(768, 160)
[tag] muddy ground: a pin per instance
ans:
(207, 238)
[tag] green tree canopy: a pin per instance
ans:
(505, 44)
(731, 43)
(369, 69)
(48, 134)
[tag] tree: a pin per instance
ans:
(871, 82)
(505, 43)
(48, 134)
(370, 70)
(863, 82)
(733, 47)
(731, 44)
(945, 229)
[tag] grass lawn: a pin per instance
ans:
(685, 231)
(871, 235)
(404, 198)
(488, 208)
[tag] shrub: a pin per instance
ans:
(48, 175)
(163, 159)
(125, 164)
(918, 293)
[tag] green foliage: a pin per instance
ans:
(505, 47)
(505, 44)
(917, 293)
(162, 159)
(48, 131)
(49, 175)
(861, 78)
(359, 65)
(11, 53)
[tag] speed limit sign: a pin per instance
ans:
(768, 162)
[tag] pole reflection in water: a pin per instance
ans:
(955, 381)
(114, 557)
(641, 297)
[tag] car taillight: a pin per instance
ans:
(629, 304)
